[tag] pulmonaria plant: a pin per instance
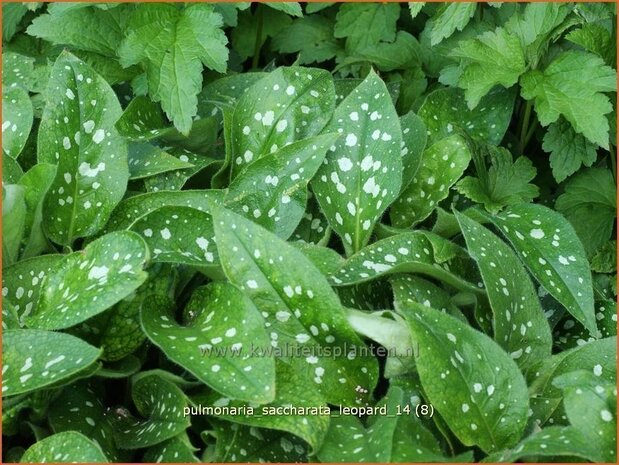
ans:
(323, 232)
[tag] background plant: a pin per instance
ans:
(183, 176)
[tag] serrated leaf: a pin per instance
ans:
(79, 408)
(215, 344)
(160, 404)
(414, 252)
(448, 18)
(89, 282)
(519, 323)
(469, 379)
(245, 37)
(366, 24)
(444, 110)
(92, 172)
(403, 53)
(311, 37)
(589, 203)
(174, 79)
(67, 447)
(362, 173)
(148, 160)
(291, 8)
(33, 359)
(568, 150)
(415, 8)
(551, 250)
(289, 104)
(21, 282)
(594, 38)
(573, 86)
(17, 117)
(442, 164)
(293, 295)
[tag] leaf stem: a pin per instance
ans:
(524, 129)
(258, 44)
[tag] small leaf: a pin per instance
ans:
(551, 250)
(291, 8)
(67, 447)
(519, 323)
(148, 160)
(366, 24)
(92, 172)
(17, 116)
(89, 282)
(448, 18)
(356, 185)
(475, 386)
(442, 164)
(216, 344)
(311, 37)
(161, 405)
(33, 359)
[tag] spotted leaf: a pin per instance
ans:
(215, 345)
(287, 105)
(176, 449)
(414, 139)
(445, 110)
(519, 323)
(77, 134)
(362, 172)
(33, 359)
(416, 252)
(89, 282)
(17, 117)
(298, 304)
(225, 92)
(148, 160)
(160, 404)
(67, 447)
(142, 120)
(475, 386)
(177, 234)
(275, 186)
(14, 221)
(548, 245)
(442, 164)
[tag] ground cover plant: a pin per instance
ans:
(216, 214)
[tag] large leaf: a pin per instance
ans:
(17, 116)
(362, 173)
(216, 343)
(89, 282)
(550, 248)
(287, 105)
(519, 323)
(298, 304)
(14, 221)
(148, 160)
(78, 122)
(475, 386)
(172, 44)
(33, 359)
(67, 447)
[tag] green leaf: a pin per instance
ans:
(568, 150)
(442, 164)
(403, 53)
(89, 29)
(311, 37)
(246, 40)
(366, 24)
(11, 170)
(415, 252)
(17, 68)
(590, 204)
(275, 186)
(293, 295)
(33, 359)
(165, 39)
(493, 58)
(355, 185)
(174, 450)
(594, 38)
(14, 219)
(605, 258)
(505, 183)
(573, 86)
(288, 105)
(148, 160)
(475, 386)
(17, 116)
(226, 91)
(36, 183)
(12, 14)
(551, 250)
(89, 282)
(415, 8)
(92, 171)
(216, 343)
(291, 8)
(450, 17)
(160, 404)
(67, 447)
(519, 323)
(79, 408)
(414, 139)
(445, 110)
(142, 120)
(176, 179)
